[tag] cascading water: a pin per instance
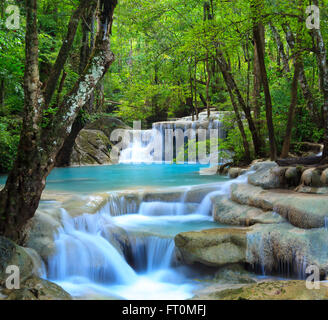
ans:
(144, 142)
(90, 261)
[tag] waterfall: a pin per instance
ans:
(152, 253)
(154, 145)
(205, 207)
(82, 250)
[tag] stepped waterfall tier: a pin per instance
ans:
(167, 140)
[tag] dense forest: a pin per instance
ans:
(264, 62)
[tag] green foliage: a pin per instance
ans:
(9, 139)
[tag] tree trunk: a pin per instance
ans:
(208, 81)
(323, 74)
(63, 158)
(40, 143)
(280, 46)
(291, 112)
(257, 87)
(231, 84)
(307, 94)
(265, 83)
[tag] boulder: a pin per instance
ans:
(236, 172)
(267, 175)
(92, 147)
(293, 176)
(213, 247)
(324, 177)
(311, 177)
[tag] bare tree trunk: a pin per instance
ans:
(208, 81)
(257, 88)
(195, 89)
(280, 46)
(40, 144)
(265, 83)
(63, 158)
(231, 84)
(291, 112)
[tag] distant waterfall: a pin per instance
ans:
(151, 146)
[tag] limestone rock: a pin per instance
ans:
(324, 177)
(311, 177)
(297, 208)
(229, 212)
(214, 247)
(267, 175)
(287, 249)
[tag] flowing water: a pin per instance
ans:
(89, 262)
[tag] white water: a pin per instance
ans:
(151, 146)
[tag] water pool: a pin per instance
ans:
(125, 176)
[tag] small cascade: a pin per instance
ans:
(119, 204)
(205, 207)
(83, 251)
(152, 253)
(158, 208)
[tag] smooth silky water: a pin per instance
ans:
(88, 265)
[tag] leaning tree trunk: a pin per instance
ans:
(40, 143)
(63, 158)
(231, 84)
(265, 83)
(291, 112)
